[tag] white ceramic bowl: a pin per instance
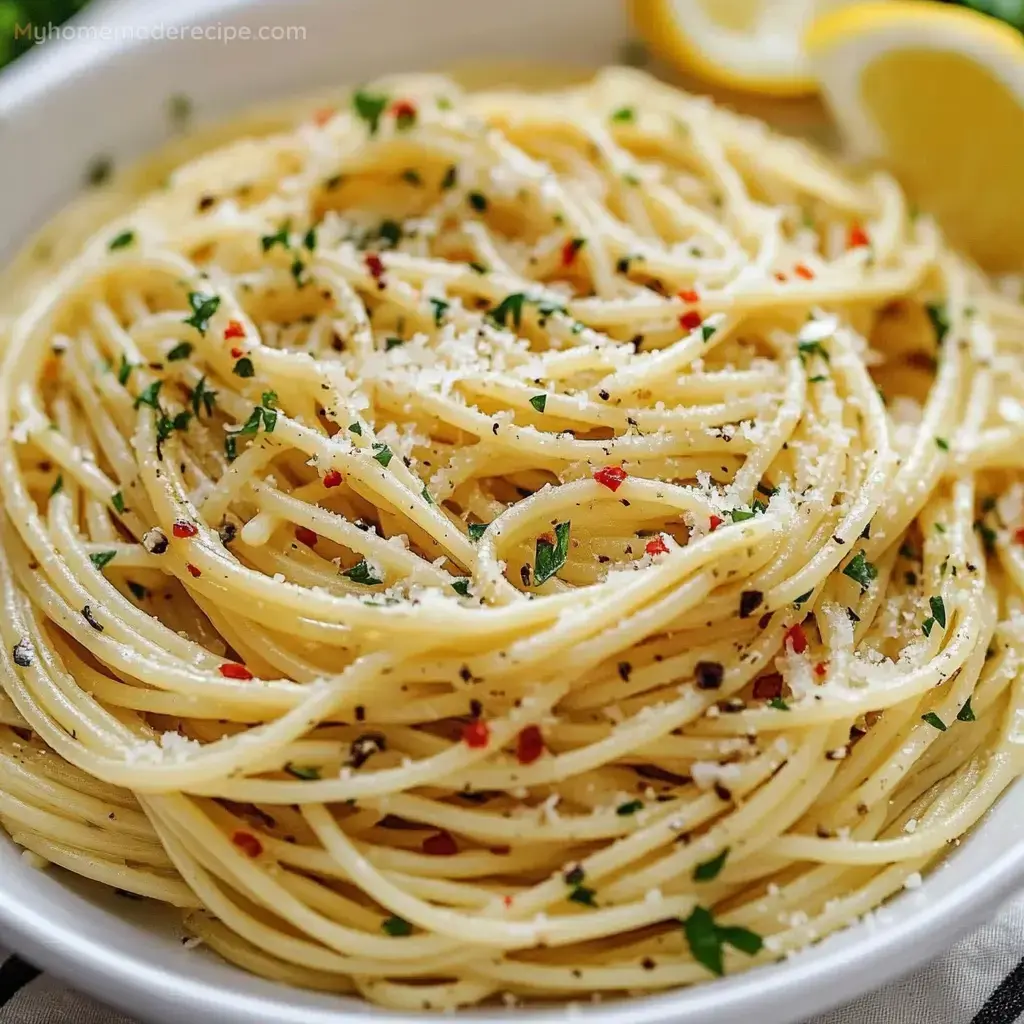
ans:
(58, 111)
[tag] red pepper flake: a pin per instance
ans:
(476, 734)
(234, 329)
(507, 900)
(404, 112)
(802, 270)
(375, 265)
(780, 276)
(529, 745)
(610, 477)
(768, 687)
(232, 670)
(1018, 535)
(691, 320)
(657, 546)
(183, 529)
(440, 844)
(569, 251)
(857, 237)
(194, 570)
(247, 843)
(821, 668)
(322, 116)
(306, 536)
(798, 638)
(237, 353)
(716, 522)
(332, 478)
(689, 295)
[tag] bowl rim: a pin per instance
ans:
(137, 984)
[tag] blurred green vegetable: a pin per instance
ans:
(1010, 11)
(16, 14)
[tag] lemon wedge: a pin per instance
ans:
(936, 93)
(753, 45)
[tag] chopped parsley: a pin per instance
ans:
(966, 713)
(117, 500)
(102, 558)
(461, 587)
(624, 115)
(440, 308)
(707, 330)
(630, 808)
(581, 894)
(58, 485)
(369, 107)
(180, 351)
(451, 177)
(149, 396)
(803, 598)
(510, 306)
(739, 515)
(778, 703)
(478, 201)
(124, 371)
(121, 241)
(243, 368)
(202, 397)
(356, 428)
(938, 610)
(302, 773)
(934, 721)
(396, 927)
(549, 558)
(382, 453)
(860, 570)
(361, 572)
(706, 939)
(939, 318)
(710, 869)
(138, 590)
(806, 349)
(942, 444)
(477, 530)
(412, 176)
(203, 307)
(539, 402)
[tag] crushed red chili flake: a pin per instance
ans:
(821, 668)
(768, 687)
(476, 734)
(247, 843)
(237, 353)
(1018, 535)
(234, 329)
(802, 270)
(375, 265)
(780, 276)
(716, 522)
(322, 116)
(507, 900)
(569, 251)
(529, 745)
(798, 638)
(440, 844)
(689, 295)
(610, 476)
(857, 236)
(194, 570)
(183, 529)
(232, 670)
(656, 547)
(404, 110)
(691, 320)
(306, 536)
(332, 478)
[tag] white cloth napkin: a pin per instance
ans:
(979, 981)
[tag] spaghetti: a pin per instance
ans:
(502, 545)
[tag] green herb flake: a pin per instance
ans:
(938, 610)
(510, 306)
(939, 318)
(203, 308)
(803, 598)
(629, 808)
(477, 530)
(806, 349)
(124, 371)
(369, 107)
(149, 396)
(202, 397)
(412, 177)
(356, 428)
(58, 485)
(117, 500)
(707, 330)
(244, 368)
(390, 343)
(279, 237)
(942, 444)
(180, 351)
(102, 558)
(121, 241)
(382, 453)
(860, 570)
(710, 869)
(549, 558)
(361, 572)
(440, 308)
(624, 115)
(581, 894)
(396, 927)
(966, 713)
(778, 703)
(309, 239)
(478, 201)
(934, 721)
(139, 592)
(740, 515)
(451, 177)
(461, 587)
(307, 774)
(539, 402)
(706, 939)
